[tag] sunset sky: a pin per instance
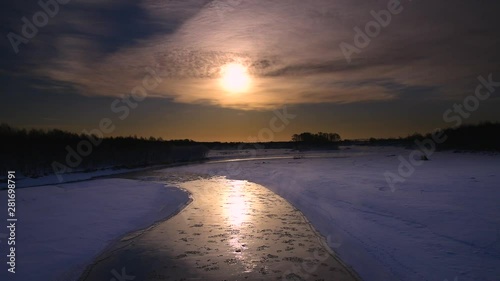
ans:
(92, 53)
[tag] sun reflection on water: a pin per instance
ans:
(237, 208)
(236, 204)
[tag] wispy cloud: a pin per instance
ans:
(290, 47)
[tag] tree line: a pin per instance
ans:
(484, 136)
(33, 152)
(314, 141)
(316, 138)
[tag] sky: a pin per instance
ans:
(154, 68)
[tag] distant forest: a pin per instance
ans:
(315, 141)
(316, 138)
(481, 137)
(34, 152)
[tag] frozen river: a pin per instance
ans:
(232, 230)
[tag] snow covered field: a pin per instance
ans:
(22, 181)
(443, 223)
(61, 228)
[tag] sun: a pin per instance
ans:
(235, 78)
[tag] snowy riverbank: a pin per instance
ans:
(442, 223)
(61, 228)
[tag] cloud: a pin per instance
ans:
(291, 49)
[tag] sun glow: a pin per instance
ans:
(236, 204)
(235, 78)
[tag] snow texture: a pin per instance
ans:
(442, 223)
(62, 228)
